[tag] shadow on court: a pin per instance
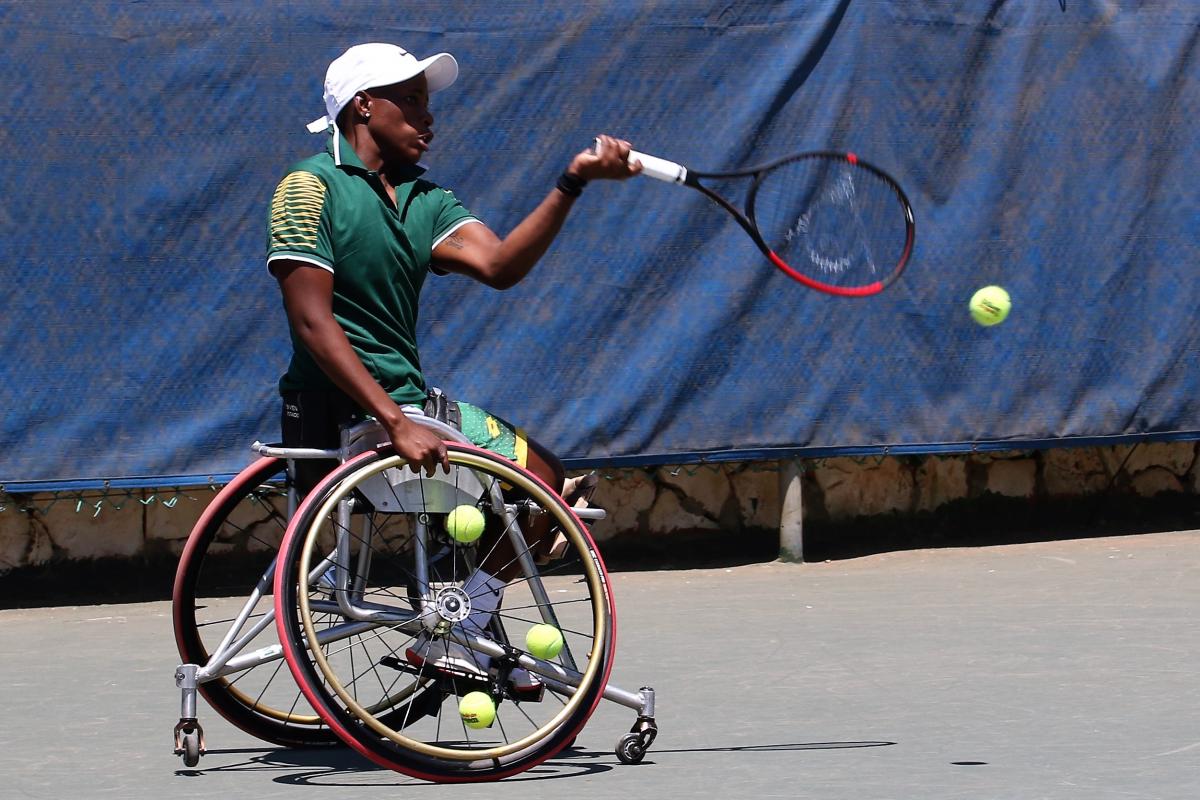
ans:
(313, 766)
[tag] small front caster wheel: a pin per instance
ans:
(190, 744)
(630, 750)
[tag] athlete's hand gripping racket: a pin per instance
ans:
(829, 220)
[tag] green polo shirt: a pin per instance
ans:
(332, 212)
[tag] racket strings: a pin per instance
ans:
(838, 223)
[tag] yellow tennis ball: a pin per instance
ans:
(477, 710)
(544, 641)
(464, 524)
(990, 305)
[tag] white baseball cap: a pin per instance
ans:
(366, 66)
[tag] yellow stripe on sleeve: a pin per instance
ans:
(296, 211)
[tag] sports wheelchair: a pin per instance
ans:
(347, 585)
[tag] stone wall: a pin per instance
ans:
(720, 499)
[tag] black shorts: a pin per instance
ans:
(315, 419)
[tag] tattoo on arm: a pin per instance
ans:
(455, 240)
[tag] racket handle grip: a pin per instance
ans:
(652, 166)
(659, 168)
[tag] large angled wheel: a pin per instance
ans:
(371, 545)
(231, 550)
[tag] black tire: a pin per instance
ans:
(629, 749)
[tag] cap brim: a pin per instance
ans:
(440, 71)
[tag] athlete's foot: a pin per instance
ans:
(447, 656)
(577, 492)
(525, 686)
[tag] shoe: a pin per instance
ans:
(556, 550)
(525, 686)
(578, 491)
(457, 661)
(328, 579)
(447, 656)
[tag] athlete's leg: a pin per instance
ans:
(500, 557)
(501, 561)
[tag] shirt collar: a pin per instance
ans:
(345, 157)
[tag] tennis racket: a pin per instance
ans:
(829, 220)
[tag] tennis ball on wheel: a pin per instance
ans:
(990, 305)
(477, 710)
(544, 641)
(464, 524)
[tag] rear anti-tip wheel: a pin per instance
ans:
(189, 741)
(191, 749)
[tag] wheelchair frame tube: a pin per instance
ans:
(247, 609)
(534, 579)
(230, 647)
(275, 652)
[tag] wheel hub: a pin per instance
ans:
(452, 604)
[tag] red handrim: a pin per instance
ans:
(336, 724)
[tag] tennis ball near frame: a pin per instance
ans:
(990, 305)
(544, 641)
(477, 710)
(464, 524)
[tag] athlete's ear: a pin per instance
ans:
(361, 103)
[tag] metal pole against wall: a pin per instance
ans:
(791, 513)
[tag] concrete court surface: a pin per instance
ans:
(1062, 669)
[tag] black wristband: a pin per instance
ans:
(570, 185)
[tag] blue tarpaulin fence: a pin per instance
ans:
(1050, 146)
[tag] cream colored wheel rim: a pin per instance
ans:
(570, 527)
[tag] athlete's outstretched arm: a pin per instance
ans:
(476, 251)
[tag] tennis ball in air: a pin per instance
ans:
(544, 641)
(477, 710)
(990, 305)
(464, 524)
